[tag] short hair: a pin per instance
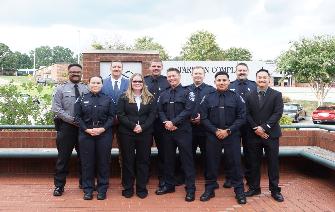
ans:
(242, 64)
(173, 69)
(89, 80)
(221, 73)
(198, 67)
(74, 64)
(155, 61)
(117, 61)
(262, 70)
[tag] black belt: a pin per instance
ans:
(95, 124)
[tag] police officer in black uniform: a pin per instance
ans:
(222, 114)
(175, 108)
(243, 87)
(94, 113)
(157, 83)
(64, 98)
(200, 90)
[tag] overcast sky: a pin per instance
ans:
(265, 27)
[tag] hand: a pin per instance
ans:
(169, 126)
(221, 134)
(91, 132)
(99, 130)
(138, 128)
(261, 133)
(196, 120)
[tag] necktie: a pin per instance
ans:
(76, 91)
(222, 124)
(261, 95)
(243, 88)
(197, 102)
(155, 87)
(116, 87)
(170, 110)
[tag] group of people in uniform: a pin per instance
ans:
(158, 108)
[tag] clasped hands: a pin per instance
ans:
(137, 129)
(261, 132)
(221, 134)
(95, 131)
(169, 126)
(196, 120)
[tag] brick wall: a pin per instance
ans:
(46, 139)
(92, 59)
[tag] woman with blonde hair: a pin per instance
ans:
(136, 111)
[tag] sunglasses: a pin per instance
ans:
(137, 81)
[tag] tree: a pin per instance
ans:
(147, 43)
(16, 60)
(201, 45)
(62, 55)
(46, 56)
(4, 51)
(312, 61)
(43, 56)
(115, 44)
(237, 54)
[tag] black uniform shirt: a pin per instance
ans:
(94, 110)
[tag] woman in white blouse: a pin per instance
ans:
(136, 111)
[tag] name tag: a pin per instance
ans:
(86, 102)
(171, 102)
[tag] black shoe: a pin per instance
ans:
(277, 196)
(227, 184)
(164, 190)
(58, 191)
(190, 196)
(101, 196)
(241, 199)
(127, 193)
(142, 195)
(88, 196)
(207, 195)
(252, 192)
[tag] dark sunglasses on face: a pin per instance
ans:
(137, 81)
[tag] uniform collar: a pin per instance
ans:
(242, 82)
(95, 95)
(177, 88)
(200, 86)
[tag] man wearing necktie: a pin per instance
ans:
(264, 110)
(156, 84)
(222, 115)
(64, 99)
(114, 86)
(242, 86)
(175, 106)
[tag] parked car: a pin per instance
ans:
(324, 114)
(295, 111)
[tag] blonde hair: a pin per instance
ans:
(146, 96)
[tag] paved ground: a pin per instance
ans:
(302, 192)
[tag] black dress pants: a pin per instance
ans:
(135, 150)
(271, 147)
(66, 140)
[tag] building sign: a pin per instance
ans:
(129, 68)
(212, 67)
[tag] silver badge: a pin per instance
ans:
(191, 96)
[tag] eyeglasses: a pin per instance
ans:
(137, 81)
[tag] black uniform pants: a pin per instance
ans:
(135, 150)
(199, 140)
(158, 136)
(95, 157)
(227, 169)
(66, 140)
(232, 150)
(271, 147)
(182, 140)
